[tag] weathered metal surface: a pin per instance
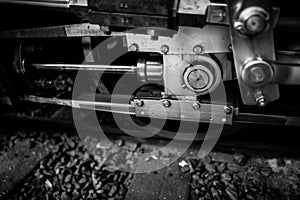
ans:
(127, 20)
(212, 39)
(176, 69)
(194, 7)
(154, 7)
(74, 30)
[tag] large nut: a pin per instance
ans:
(253, 21)
(202, 76)
(257, 73)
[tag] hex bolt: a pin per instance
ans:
(198, 49)
(196, 106)
(164, 49)
(261, 101)
(139, 103)
(166, 103)
(133, 47)
(227, 109)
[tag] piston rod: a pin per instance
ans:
(87, 67)
(146, 70)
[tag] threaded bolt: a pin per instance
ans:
(261, 101)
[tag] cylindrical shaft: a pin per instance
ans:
(87, 67)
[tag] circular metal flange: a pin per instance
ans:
(202, 76)
(252, 21)
(257, 73)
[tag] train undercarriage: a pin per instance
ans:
(212, 62)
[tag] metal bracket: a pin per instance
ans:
(209, 39)
(183, 110)
(251, 29)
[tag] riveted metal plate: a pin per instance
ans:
(184, 110)
(212, 39)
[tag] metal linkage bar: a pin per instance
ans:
(252, 118)
(84, 104)
(48, 3)
(173, 109)
(87, 67)
(184, 110)
(73, 30)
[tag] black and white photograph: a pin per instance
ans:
(149, 100)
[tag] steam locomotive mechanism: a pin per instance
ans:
(212, 45)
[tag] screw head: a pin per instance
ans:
(198, 49)
(133, 47)
(196, 106)
(164, 49)
(166, 103)
(139, 103)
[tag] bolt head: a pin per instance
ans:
(139, 103)
(133, 47)
(198, 49)
(257, 75)
(166, 103)
(196, 106)
(164, 49)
